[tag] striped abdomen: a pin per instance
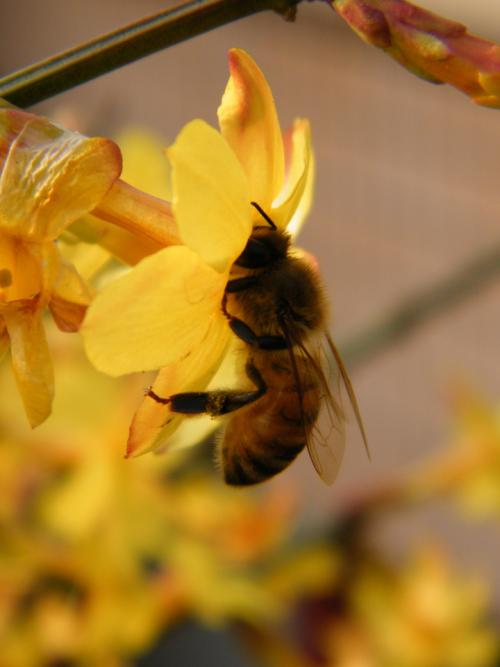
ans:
(262, 439)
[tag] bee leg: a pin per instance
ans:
(215, 403)
(240, 284)
(247, 335)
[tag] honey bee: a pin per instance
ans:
(274, 303)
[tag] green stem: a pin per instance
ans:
(416, 310)
(125, 45)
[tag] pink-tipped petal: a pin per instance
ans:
(249, 123)
(294, 202)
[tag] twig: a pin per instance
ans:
(125, 45)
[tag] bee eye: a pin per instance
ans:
(257, 254)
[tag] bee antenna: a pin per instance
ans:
(263, 214)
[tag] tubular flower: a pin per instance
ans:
(430, 46)
(49, 177)
(141, 220)
(167, 309)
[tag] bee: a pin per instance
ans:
(274, 303)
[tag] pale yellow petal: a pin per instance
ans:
(294, 201)
(155, 314)
(30, 359)
(65, 281)
(69, 296)
(249, 122)
(89, 259)
(144, 163)
(50, 177)
(211, 198)
(153, 423)
(193, 430)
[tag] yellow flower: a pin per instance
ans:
(166, 312)
(422, 616)
(99, 555)
(48, 178)
(468, 467)
(132, 211)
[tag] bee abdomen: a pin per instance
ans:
(243, 466)
(263, 439)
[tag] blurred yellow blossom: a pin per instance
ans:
(167, 310)
(49, 177)
(100, 554)
(421, 616)
(468, 467)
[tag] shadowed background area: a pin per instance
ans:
(407, 191)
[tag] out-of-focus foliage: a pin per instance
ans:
(421, 615)
(467, 468)
(474, 455)
(99, 554)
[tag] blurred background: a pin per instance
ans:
(407, 192)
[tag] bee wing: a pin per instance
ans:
(326, 441)
(350, 390)
(325, 444)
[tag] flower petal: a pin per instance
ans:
(194, 430)
(249, 123)
(292, 206)
(70, 296)
(144, 163)
(211, 198)
(155, 314)
(89, 259)
(51, 176)
(20, 267)
(30, 359)
(153, 423)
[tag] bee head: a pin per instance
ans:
(265, 246)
